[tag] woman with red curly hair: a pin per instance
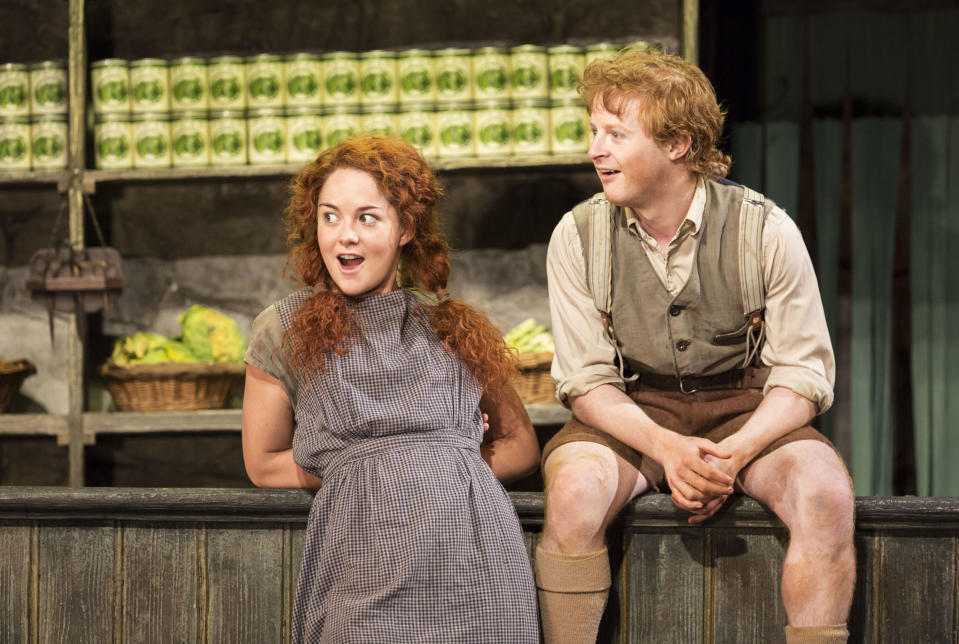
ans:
(383, 394)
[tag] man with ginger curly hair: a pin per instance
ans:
(690, 365)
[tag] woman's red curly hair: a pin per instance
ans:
(324, 322)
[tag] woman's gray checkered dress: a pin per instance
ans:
(411, 538)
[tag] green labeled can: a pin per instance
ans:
(227, 76)
(416, 123)
(189, 84)
(190, 133)
(650, 46)
(569, 127)
(456, 126)
(566, 64)
(110, 81)
(304, 133)
(265, 81)
(48, 88)
(266, 137)
(493, 128)
(530, 120)
(15, 143)
(378, 78)
(601, 51)
(340, 122)
(491, 73)
(378, 120)
(454, 74)
(113, 141)
(14, 90)
(304, 80)
(151, 140)
(416, 76)
(341, 78)
(150, 85)
(227, 137)
(529, 76)
(48, 141)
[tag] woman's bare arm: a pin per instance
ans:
(510, 446)
(268, 434)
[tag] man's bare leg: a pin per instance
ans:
(587, 484)
(806, 484)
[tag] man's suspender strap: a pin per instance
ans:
(752, 285)
(599, 260)
(595, 217)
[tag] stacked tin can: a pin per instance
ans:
(112, 89)
(569, 123)
(490, 101)
(157, 113)
(33, 116)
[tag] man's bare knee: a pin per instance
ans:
(811, 492)
(581, 483)
(825, 512)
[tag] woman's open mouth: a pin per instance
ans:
(349, 263)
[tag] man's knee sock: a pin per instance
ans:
(817, 634)
(572, 595)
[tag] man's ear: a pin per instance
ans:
(678, 146)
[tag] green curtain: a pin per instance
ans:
(875, 171)
(827, 150)
(879, 52)
(935, 304)
(782, 169)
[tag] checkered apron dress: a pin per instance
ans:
(411, 538)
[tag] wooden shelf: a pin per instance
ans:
(33, 425)
(548, 414)
(228, 420)
(146, 175)
(205, 420)
(77, 427)
(59, 178)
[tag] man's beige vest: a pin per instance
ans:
(703, 329)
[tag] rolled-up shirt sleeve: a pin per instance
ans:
(266, 351)
(584, 358)
(797, 346)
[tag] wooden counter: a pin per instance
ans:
(219, 565)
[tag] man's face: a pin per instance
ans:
(632, 166)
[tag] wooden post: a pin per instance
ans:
(76, 320)
(690, 31)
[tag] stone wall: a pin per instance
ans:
(222, 244)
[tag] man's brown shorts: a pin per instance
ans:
(708, 414)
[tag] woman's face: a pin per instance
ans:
(359, 233)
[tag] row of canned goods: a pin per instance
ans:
(341, 78)
(38, 88)
(295, 135)
(36, 142)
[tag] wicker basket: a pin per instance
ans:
(534, 384)
(172, 386)
(12, 375)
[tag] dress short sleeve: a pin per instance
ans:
(266, 352)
